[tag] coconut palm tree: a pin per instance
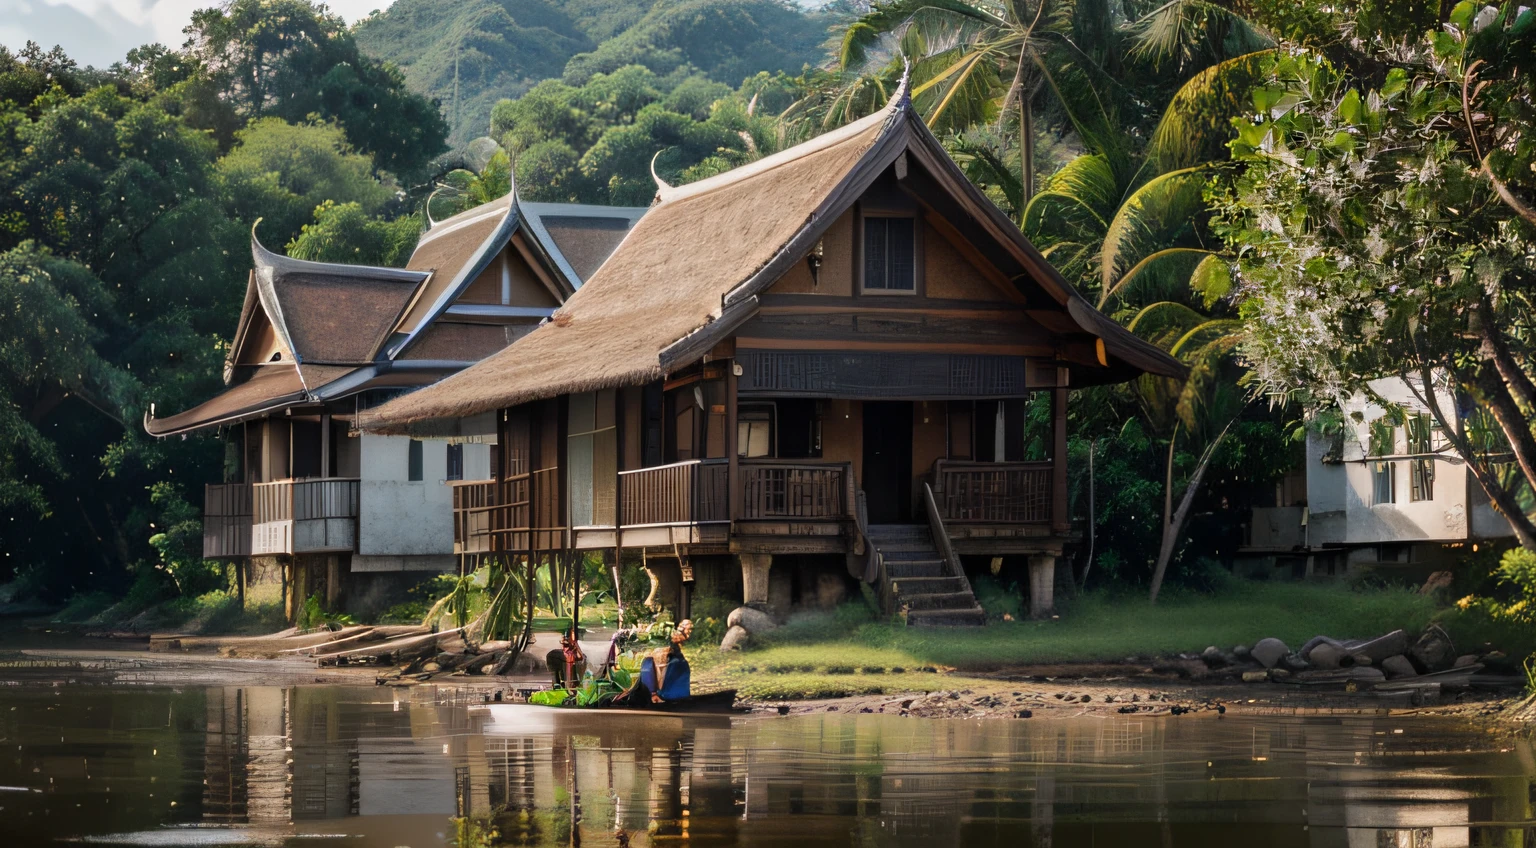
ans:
(975, 61)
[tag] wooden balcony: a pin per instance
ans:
(993, 492)
(226, 520)
(515, 515)
(802, 491)
(683, 493)
(304, 516)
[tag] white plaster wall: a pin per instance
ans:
(399, 517)
(1339, 494)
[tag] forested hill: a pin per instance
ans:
(470, 55)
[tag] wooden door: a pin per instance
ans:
(888, 461)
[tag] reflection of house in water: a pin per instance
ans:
(246, 756)
(394, 773)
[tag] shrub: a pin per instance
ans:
(998, 600)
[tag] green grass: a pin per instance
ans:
(794, 661)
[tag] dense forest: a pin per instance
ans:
(1292, 198)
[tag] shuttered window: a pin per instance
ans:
(413, 462)
(890, 255)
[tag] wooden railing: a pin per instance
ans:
(993, 492)
(226, 520)
(952, 564)
(300, 516)
(693, 492)
(822, 491)
(515, 515)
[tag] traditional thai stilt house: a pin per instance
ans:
(815, 368)
(309, 507)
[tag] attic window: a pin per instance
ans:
(276, 357)
(890, 255)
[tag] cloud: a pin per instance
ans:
(100, 32)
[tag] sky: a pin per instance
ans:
(100, 32)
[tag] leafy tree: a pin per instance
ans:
(291, 59)
(47, 354)
(282, 172)
(343, 232)
(1388, 231)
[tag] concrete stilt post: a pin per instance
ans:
(1042, 585)
(754, 578)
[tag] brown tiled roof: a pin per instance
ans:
(451, 250)
(334, 320)
(331, 313)
(446, 341)
(267, 388)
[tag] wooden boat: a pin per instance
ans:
(709, 703)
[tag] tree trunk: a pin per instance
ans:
(1026, 152)
(1501, 497)
(1495, 347)
(1172, 527)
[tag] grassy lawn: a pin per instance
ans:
(848, 652)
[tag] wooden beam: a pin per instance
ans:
(733, 470)
(746, 343)
(1061, 522)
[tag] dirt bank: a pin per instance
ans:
(1046, 692)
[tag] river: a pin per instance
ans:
(379, 768)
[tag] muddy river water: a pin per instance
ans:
(379, 768)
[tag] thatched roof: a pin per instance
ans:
(690, 272)
(664, 281)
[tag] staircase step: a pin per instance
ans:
(912, 547)
(919, 568)
(938, 601)
(972, 617)
(905, 586)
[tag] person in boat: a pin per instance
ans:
(567, 663)
(664, 673)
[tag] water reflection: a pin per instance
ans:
(376, 769)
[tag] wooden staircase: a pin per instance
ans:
(916, 576)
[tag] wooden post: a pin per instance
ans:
(618, 495)
(1060, 521)
(733, 462)
(325, 444)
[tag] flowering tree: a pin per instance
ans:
(1384, 227)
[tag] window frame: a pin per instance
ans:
(454, 467)
(865, 215)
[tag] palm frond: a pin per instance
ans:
(1190, 32)
(1197, 125)
(1164, 274)
(1160, 214)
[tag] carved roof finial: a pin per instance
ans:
(663, 189)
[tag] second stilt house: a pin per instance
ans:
(812, 370)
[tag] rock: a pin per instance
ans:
(1295, 663)
(1269, 652)
(1214, 658)
(1361, 675)
(1398, 666)
(1433, 651)
(1324, 655)
(1242, 652)
(1279, 674)
(1465, 660)
(1314, 643)
(735, 638)
(1378, 649)
(1255, 676)
(1436, 582)
(751, 619)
